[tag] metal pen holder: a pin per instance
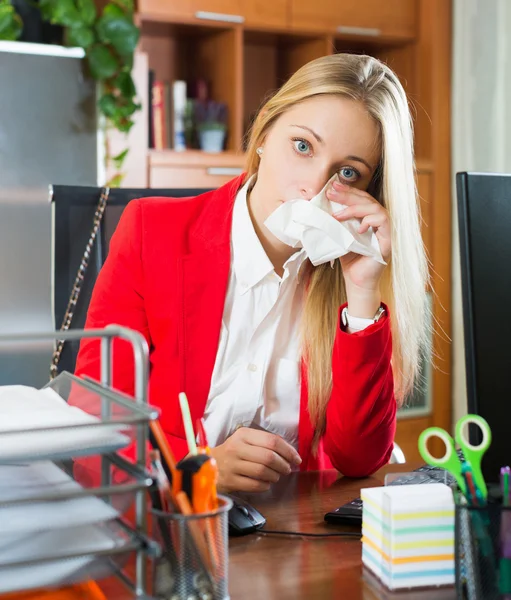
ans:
(194, 560)
(483, 551)
(131, 480)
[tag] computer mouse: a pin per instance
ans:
(243, 518)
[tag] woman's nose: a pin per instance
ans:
(313, 186)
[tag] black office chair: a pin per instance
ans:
(75, 209)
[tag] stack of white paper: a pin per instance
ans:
(39, 530)
(24, 411)
(42, 545)
(408, 534)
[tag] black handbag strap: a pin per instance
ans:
(79, 279)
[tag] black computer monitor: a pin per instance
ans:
(484, 213)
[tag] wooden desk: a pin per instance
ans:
(277, 567)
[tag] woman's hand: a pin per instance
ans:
(362, 274)
(250, 460)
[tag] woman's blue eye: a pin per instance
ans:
(302, 147)
(348, 173)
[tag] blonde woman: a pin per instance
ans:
(291, 366)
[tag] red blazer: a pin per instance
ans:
(166, 276)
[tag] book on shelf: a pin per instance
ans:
(160, 114)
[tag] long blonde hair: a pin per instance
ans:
(369, 81)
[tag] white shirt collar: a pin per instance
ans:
(250, 262)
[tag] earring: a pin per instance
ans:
(259, 150)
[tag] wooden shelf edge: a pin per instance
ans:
(195, 158)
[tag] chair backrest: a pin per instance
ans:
(73, 214)
(484, 215)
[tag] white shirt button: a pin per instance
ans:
(252, 367)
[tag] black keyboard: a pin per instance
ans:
(351, 513)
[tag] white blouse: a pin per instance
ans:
(256, 378)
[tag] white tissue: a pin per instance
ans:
(309, 224)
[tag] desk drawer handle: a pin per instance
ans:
(224, 171)
(211, 16)
(359, 30)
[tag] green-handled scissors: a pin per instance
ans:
(450, 461)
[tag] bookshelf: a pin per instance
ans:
(247, 48)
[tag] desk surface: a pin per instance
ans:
(277, 567)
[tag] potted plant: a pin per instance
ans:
(109, 38)
(211, 124)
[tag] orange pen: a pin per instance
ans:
(159, 440)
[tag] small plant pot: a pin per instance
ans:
(212, 140)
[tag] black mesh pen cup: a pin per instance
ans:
(483, 551)
(194, 559)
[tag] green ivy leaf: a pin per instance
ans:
(82, 37)
(128, 108)
(11, 24)
(119, 159)
(64, 12)
(46, 9)
(125, 84)
(108, 105)
(118, 31)
(127, 62)
(121, 123)
(127, 5)
(113, 10)
(103, 64)
(87, 10)
(116, 180)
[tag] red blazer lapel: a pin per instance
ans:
(202, 287)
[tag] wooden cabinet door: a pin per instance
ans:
(266, 13)
(166, 9)
(424, 190)
(389, 18)
(320, 15)
(256, 13)
(372, 18)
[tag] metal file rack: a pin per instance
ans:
(114, 409)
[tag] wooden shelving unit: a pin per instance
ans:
(247, 48)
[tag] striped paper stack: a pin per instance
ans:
(408, 534)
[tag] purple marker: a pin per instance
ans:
(505, 536)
